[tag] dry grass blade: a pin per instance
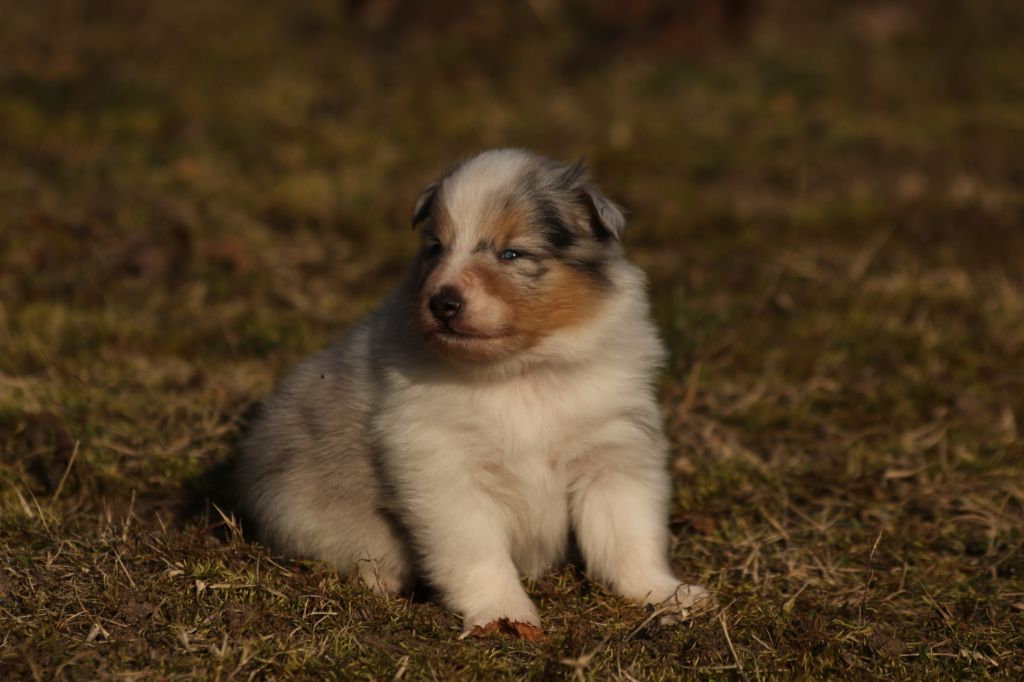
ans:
(728, 640)
(67, 471)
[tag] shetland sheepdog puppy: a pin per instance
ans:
(501, 397)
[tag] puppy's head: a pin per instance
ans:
(515, 248)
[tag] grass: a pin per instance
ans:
(828, 200)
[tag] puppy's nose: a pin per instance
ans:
(446, 303)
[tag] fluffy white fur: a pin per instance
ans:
(378, 454)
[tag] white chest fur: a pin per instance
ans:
(514, 444)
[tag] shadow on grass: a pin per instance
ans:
(210, 499)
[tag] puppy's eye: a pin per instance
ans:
(433, 249)
(510, 254)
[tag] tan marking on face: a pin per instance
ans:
(441, 223)
(564, 298)
(503, 227)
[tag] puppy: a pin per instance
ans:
(500, 397)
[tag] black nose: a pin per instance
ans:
(446, 303)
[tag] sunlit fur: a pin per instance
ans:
(464, 451)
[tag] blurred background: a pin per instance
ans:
(165, 141)
(827, 197)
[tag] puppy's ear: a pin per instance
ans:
(421, 209)
(606, 217)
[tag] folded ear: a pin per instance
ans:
(425, 202)
(606, 217)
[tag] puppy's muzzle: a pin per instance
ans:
(446, 304)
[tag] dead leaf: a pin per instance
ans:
(701, 523)
(504, 626)
(230, 251)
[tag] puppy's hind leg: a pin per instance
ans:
(356, 537)
(384, 563)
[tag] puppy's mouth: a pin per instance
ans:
(470, 346)
(455, 336)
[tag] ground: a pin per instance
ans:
(828, 199)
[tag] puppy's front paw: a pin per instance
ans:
(685, 602)
(518, 620)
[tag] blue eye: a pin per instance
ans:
(509, 254)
